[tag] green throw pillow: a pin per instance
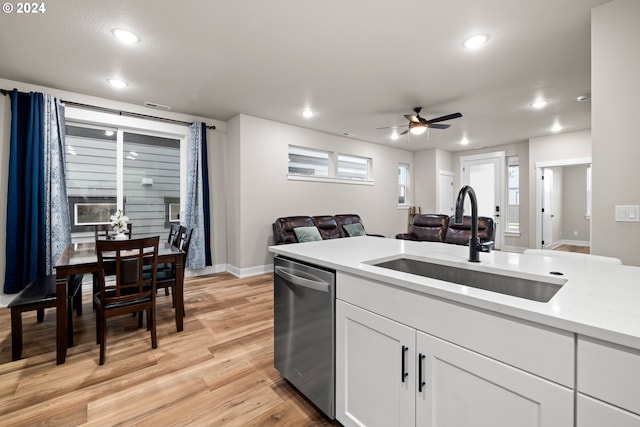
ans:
(354, 229)
(307, 234)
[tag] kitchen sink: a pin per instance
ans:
(534, 290)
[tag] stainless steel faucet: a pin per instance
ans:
(475, 247)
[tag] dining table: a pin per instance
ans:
(81, 258)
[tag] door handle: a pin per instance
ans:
(421, 383)
(316, 285)
(404, 374)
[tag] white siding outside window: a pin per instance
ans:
(403, 184)
(513, 195)
(308, 162)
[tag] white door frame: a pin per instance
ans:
(501, 156)
(539, 190)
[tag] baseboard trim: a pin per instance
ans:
(251, 271)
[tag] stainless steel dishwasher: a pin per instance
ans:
(304, 330)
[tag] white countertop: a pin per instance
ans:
(600, 300)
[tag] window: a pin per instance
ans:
(135, 165)
(353, 167)
(318, 165)
(308, 162)
(513, 195)
(403, 184)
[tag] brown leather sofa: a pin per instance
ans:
(329, 227)
(442, 228)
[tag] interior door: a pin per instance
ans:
(445, 193)
(484, 175)
(547, 207)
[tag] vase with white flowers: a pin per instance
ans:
(119, 223)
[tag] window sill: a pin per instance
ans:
(404, 207)
(512, 234)
(328, 179)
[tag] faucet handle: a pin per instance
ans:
(485, 246)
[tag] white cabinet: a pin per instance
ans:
(594, 413)
(608, 384)
(372, 389)
(464, 388)
(380, 369)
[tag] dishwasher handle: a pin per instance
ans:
(317, 285)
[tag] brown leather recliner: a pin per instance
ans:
(459, 234)
(327, 226)
(283, 228)
(427, 228)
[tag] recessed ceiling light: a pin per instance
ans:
(556, 127)
(118, 84)
(464, 141)
(476, 41)
(539, 103)
(307, 114)
(394, 135)
(125, 36)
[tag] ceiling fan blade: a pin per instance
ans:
(444, 118)
(412, 118)
(405, 132)
(438, 126)
(392, 127)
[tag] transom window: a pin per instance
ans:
(319, 165)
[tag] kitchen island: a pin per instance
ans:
(412, 350)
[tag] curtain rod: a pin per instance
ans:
(113, 111)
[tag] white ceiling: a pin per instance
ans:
(359, 64)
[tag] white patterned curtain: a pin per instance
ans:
(194, 211)
(57, 221)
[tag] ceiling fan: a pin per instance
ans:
(418, 125)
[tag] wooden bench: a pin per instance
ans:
(38, 295)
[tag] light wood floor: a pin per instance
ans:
(573, 248)
(217, 372)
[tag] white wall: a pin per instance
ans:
(558, 148)
(426, 180)
(575, 227)
(216, 141)
(615, 87)
(257, 165)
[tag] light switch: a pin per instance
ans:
(627, 213)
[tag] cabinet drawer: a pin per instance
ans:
(609, 372)
(593, 413)
(535, 348)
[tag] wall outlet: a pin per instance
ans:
(627, 213)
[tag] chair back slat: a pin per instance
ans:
(127, 258)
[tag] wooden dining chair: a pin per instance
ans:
(175, 230)
(167, 276)
(174, 233)
(105, 232)
(128, 290)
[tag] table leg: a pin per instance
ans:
(179, 308)
(61, 317)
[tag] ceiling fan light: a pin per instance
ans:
(418, 129)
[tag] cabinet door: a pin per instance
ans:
(464, 388)
(372, 389)
(593, 413)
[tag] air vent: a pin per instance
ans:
(157, 106)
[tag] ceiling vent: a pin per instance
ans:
(157, 106)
